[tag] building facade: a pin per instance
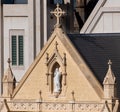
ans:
(25, 29)
(30, 35)
(60, 78)
(24, 24)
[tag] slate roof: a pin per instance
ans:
(96, 50)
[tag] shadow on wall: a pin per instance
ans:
(89, 7)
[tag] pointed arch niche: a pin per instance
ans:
(56, 72)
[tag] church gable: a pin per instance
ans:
(55, 74)
(60, 80)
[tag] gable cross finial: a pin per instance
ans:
(9, 61)
(110, 63)
(58, 12)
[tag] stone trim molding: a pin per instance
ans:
(98, 16)
(32, 106)
(92, 15)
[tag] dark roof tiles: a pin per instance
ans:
(96, 50)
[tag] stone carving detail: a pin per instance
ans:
(89, 107)
(53, 63)
(56, 106)
(23, 106)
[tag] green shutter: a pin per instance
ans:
(20, 49)
(14, 50)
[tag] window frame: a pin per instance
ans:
(14, 2)
(17, 33)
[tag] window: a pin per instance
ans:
(15, 1)
(17, 47)
(59, 1)
(20, 1)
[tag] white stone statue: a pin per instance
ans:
(57, 76)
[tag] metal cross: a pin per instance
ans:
(58, 12)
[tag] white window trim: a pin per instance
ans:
(17, 32)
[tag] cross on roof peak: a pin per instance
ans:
(109, 63)
(9, 61)
(58, 12)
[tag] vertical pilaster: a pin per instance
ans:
(37, 21)
(31, 30)
(45, 20)
(41, 24)
(1, 46)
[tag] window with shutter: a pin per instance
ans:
(20, 49)
(14, 50)
(15, 1)
(17, 47)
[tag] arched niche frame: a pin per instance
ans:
(53, 63)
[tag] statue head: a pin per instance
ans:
(56, 71)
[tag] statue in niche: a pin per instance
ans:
(57, 80)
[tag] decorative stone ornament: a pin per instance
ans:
(56, 71)
(9, 81)
(40, 93)
(109, 83)
(58, 12)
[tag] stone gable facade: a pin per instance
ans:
(60, 79)
(77, 92)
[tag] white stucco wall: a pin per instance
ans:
(105, 18)
(16, 19)
(16, 23)
(112, 3)
(28, 18)
(0, 48)
(108, 23)
(25, 17)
